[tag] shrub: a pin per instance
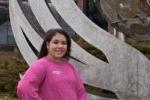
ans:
(10, 67)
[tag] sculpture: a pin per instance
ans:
(127, 71)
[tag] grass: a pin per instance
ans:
(4, 96)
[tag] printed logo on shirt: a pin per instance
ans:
(56, 72)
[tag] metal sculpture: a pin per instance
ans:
(127, 71)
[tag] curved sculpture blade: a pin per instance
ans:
(25, 49)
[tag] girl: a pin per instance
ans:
(52, 77)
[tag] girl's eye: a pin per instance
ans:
(64, 43)
(56, 42)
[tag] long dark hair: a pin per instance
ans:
(49, 35)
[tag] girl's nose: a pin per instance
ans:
(60, 45)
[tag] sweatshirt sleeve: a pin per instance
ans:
(28, 86)
(80, 87)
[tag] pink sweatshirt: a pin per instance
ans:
(48, 80)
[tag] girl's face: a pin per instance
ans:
(57, 47)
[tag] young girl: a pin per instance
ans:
(52, 77)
